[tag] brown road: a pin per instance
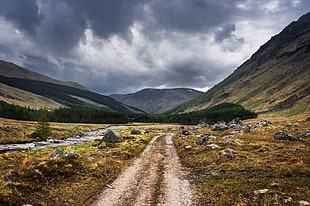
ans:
(155, 178)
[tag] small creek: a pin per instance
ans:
(88, 137)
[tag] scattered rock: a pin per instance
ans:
(57, 154)
(230, 136)
(72, 155)
(231, 141)
(288, 199)
(263, 123)
(203, 125)
(185, 132)
(102, 145)
(136, 131)
(303, 202)
(284, 136)
(188, 147)
(305, 134)
(227, 151)
(204, 138)
(262, 191)
(291, 125)
(112, 136)
(237, 132)
(220, 126)
(249, 129)
(235, 123)
(213, 146)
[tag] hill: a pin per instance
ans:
(8, 69)
(275, 78)
(156, 101)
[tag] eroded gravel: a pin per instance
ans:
(155, 178)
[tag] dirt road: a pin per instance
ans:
(155, 178)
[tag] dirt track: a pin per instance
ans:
(155, 178)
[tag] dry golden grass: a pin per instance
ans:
(31, 178)
(282, 167)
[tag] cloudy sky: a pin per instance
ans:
(121, 46)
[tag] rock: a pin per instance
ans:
(308, 119)
(112, 136)
(203, 125)
(188, 147)
(231, 141)
(235, 123)
(102, 145)
(204, 138)
(10, 176)
(230, 136)
(136, 131)
(237, 132)
(213, 146)
(221, 126)
(284, 136)
(303, 202)
(72, 155)
(185, 132)
(227, 151)
(57, 154)
(249, 129)
(263, 123)
(262, 191)
(34, 135)
(9, 184)
(291, 125)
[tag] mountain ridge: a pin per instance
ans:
(155, 101)
(274, 78)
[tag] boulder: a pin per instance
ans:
(102, 145)
(213, 146)
(204, 138)
(112, 136)
(249, 129)
(203, 125)
(284, 136)
(185, 132)
(263, 123)
(227, 151)
(135, 131)
(72, 155)
(235, 123)
(233, 142)
(220, 126)
(57, 154)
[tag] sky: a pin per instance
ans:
(123, 46)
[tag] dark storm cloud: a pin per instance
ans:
(23, 13)
(125, 45)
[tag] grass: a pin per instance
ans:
(261, 162)
(30, 177)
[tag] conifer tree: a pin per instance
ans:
(43, 129)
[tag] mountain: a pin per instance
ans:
(155, 101)
(22, 89)
(8, 69)
(276, 77)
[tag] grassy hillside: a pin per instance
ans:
(65, 95)
(275, 78)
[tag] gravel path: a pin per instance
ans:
(155, 178)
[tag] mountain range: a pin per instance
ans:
(155, 101)
(276, 77)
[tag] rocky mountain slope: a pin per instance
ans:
(276, 77)
(155, 101)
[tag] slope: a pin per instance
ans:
(155, 101)
(276, 77)
(65, 95)
(12, 70)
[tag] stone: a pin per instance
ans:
(291, 125)
(72, 155)
(263, 123)
(305, 134)
(204, 138)
(230, 136)
(227, 151)
(203, 125)
(249, 129)
(188, 147)
(136, 131)
(233, 142)
(284, 136)
(303, 202)
(57, 154)
(112, 136)
(10, 176)
(221, 126)
(308, 119)
(237, 132)
(102, 145)
(235, 123)
(262, 191)
(185, 132)
(213, 146)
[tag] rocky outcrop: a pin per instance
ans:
(284, 136)
(112, 136)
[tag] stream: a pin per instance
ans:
(88, 137)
